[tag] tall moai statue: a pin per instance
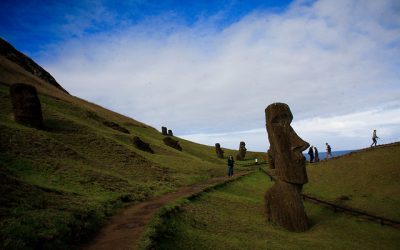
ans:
(170, 132)
(283, 201)
(164, 131)
(242, 151)
(26, 105)
(219, 151)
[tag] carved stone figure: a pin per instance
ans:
(116, 126)
(242, 151)
(172, 143)
(219, 151)
(26, 105)
(142, 145)
(164, 131)
(170, 132)
(283, 202)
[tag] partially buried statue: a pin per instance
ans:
(283, 201)
(219, 151)
(26, 105)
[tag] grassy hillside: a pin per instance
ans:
(59, 183)
(232, 218)
(368, 180)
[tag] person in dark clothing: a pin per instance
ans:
(231, 162)
(316, 159)
(374, 137)
(311, 154)
(328, 151)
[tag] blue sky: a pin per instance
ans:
(208, 69)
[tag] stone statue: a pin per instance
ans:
(242, 151)
(170, 132)
(26, 105)
(172, 143)
(219, 151)
(283, 201)
(144, 146)
(164, 131)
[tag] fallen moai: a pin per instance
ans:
(142, 145)
(172, 143)
(116, 126)
(26, 105)
(283, 201)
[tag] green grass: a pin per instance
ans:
(370, 179)
(82, 170)
(232, 218)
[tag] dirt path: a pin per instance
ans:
(124, 230)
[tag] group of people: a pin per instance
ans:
(314, 156)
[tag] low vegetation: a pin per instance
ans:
(232, 218)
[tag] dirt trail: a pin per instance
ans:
(124, 230)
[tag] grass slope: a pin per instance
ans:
(232, 218)
(367, 180)
(59, 183)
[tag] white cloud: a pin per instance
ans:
(327, 60)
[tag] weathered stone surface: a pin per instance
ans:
(26, 105)
(164, 131)
(283, 202)
(219, 151)
(116, 126)
(285, 145)
(284, 206)
(270, 160)
(172, 143)
(142, 145)
(242, 151)
(170, 132)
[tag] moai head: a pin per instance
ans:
(219, 151)
(285, 145)
(170, 132)
(164, 131)
(26, 105)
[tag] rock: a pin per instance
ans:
(283, 201)
(242, 151)
(116, 126)
(142, 145)
(219, 151)
(170, 132)
(172, 143)
(26, 105)
(164, 131)
(284, 206)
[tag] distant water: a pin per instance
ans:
(322, 154)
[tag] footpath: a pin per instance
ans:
(124, 230)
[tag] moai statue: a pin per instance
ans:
(242, 151)
(26, 105)
(283, 201)
(164, 131)
(219, 151)
(170, 132)
(142, 145)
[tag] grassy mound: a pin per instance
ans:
(367, 180)
(59, 183)
(232, 218)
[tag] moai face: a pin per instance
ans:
(285, 145)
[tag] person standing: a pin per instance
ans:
(374, 137)
(231, 162)
(311, 154)
(316, 159)
(328, 151)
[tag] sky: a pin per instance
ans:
(208, 69)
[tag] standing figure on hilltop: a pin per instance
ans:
(316, 155)
(374, 137)
(328, 151)
(311, 154)
(231, 162)
(283, 201)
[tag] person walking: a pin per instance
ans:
(316, 156)
(311, 154)
(374, 137)
(231, 162)
(328, 151)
